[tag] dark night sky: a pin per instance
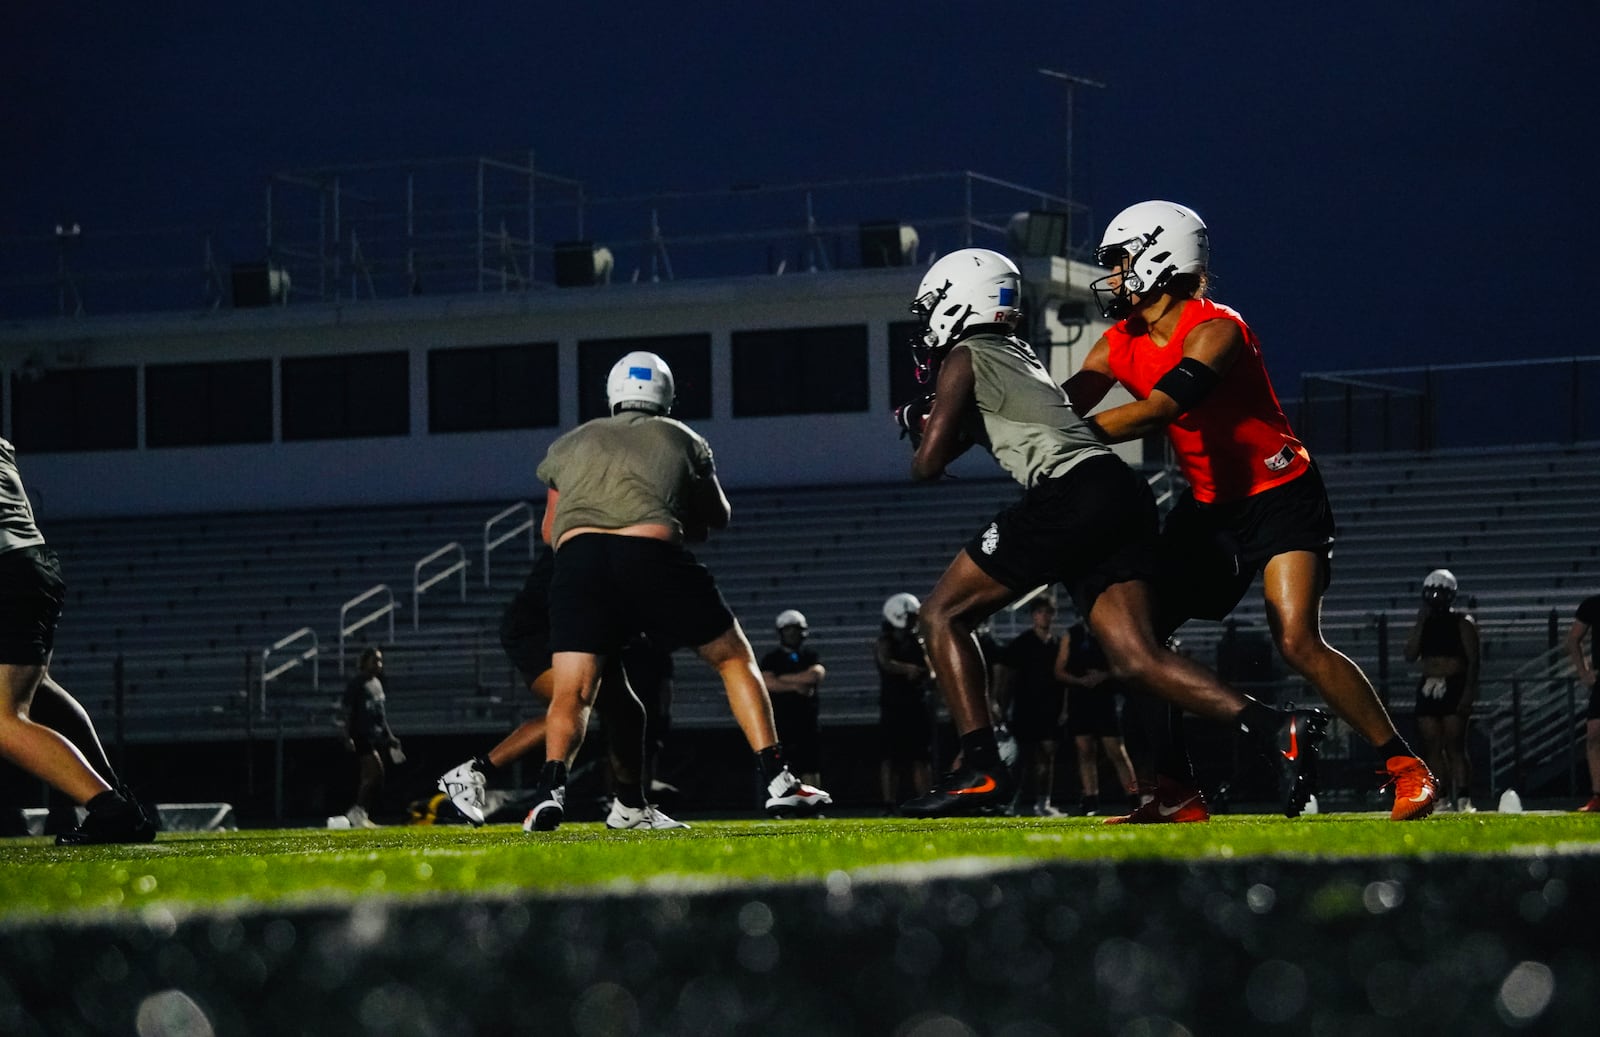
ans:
(1386, 182)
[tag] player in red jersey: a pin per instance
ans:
(1256, 502)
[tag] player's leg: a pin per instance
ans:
(1459, 767)
(964, 596)
(39, 750)
(1116, 751)
(623, 716)
(1591, 749)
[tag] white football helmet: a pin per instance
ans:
(1152, 241)
(899, 609)
(791, 618)
(640, 381)
(1439, 586)
(966, 289)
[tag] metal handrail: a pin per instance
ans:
(419, 585)
(526, 525)
(309, 654)
(387, 609)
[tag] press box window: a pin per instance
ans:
(487, 388)
(688, 357)
(90, 408)
(346, 397)
(800, 371)
(208, 404)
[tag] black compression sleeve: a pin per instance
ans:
(1188, 383)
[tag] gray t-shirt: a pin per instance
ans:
(1033, 431)
(17, 528)
(624, 470)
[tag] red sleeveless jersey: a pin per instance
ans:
(1236, 442)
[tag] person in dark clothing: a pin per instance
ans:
(1444, 642)
(905, 717)
(368, 736)
(1092, 720)
(1034, 702)
(793, 673)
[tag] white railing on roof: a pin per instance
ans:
(301, 657)
(490, 542)
(386, 609)
(419, 586)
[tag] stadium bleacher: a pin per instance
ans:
(189, 603)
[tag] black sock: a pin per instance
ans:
(631, 794)
(1395, 746)
(554, 775)
(979, 750)
(485, 766)
(771, 761)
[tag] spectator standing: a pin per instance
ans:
(1034, 701)
(1092, 716)
(1583, 625)
(794, 673)
(1444, 642)
(905, 720)
(368, 736)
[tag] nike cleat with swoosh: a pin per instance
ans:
(1173, 803)
(788, 796)
(1416, 790)
(1299, 744)
(962, 793)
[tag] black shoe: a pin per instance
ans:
(1299, 744)
(115, 820)
(549, 808)
(963, 792)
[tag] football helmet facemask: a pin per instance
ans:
(1151, 242)
(899, 610)
(968, 289)
(1439, 588)
(640, 381)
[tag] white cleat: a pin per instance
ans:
(549, 808)
(465, 787)
(623, 816)
(787, 794)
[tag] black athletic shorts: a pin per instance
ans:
(31, 594)
(608, 587)
(1091, 528)
(1440, 696)
(1210, 553)
(1093, 711)
(525, 624)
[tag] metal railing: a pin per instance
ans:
(387, 609)
(299, 658)
(527, 525)
(419, 586)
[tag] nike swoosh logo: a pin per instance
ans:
(1167, 811)
(988, 785)
(1421, 797)
(1293, 752)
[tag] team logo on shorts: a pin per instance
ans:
(991, 539)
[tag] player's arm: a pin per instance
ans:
(709, 508)
(942, 437)
(1059, 670)
(1089, 385)
(549, 523)
(1580, 661)
(1208, 352)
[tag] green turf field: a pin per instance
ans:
(309, 866)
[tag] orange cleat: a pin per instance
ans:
(1173, 803)
(1416, 790)
(1591, 807)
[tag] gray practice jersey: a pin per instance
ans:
(17, 528)
(625, 470)
(1033, 431)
